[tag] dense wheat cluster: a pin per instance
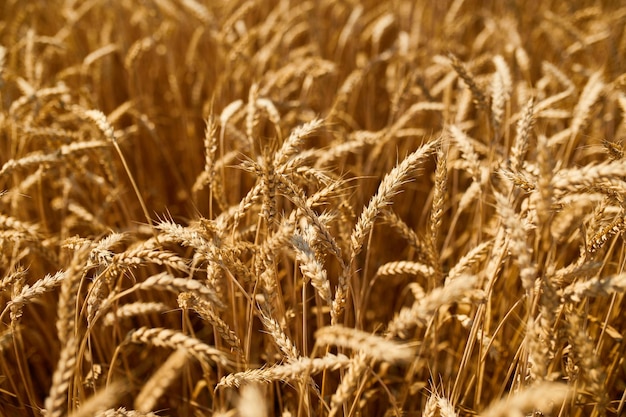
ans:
(316, 208)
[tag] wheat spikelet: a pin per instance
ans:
(38, 96)
(598, 240)
(436, 213)
(592, 374)
(520, 145)
(595, 287)
(291, 146)
(190, 300)
(296, 195)
(210, 149)
(405, 267)
(198, 11)
(174, 339)
(158, 383)
(281, 339)
(501, 87)
(542, 397)
(252, 402)
(424, 307)
(469, 152)
(32, 160)
(431, 407)
(614, 149)
(167, 282)
(389, 186)
(588, 97)
(349, 383)
(371, 345)
(122, 412)
(574, 179)
(68, 297)
(132, 310)
(446, 409)
(56, 401)
(469, 79)
(407, 233)
(100, 401)
(141, 256)
(292, 371)
(312, 269)
(473, 257)
(517, 241)
(28, 293)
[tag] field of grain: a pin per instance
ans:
(317, 208)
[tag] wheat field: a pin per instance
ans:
(317, 208)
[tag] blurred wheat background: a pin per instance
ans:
(316, 208)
